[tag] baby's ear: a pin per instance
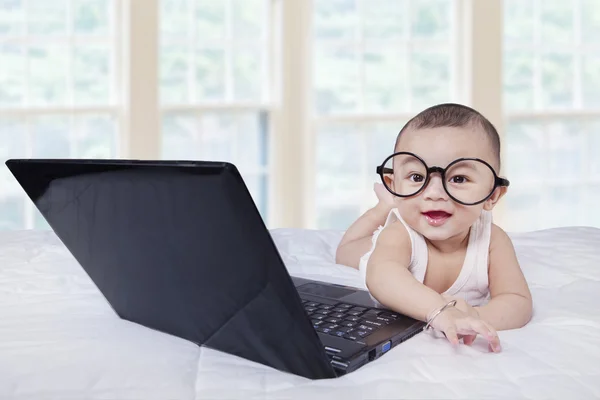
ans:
(489, 204)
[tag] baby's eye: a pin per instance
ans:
(458, 179)
(416, 178)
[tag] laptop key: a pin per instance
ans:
(352, 336)
(325, 307)
(317, 322)
(337, 315)
(311, 304)
(339, 310)
(318, 316)
(324, 312)
(310, 309)
(352, 318)
(348, 323)
(373, 323)
(334, 320)
(324, 330)
(346, 306)
(345, 329)
(355, 313)
(362, 334)
(365, 328)
(330, 326)
(361, 309)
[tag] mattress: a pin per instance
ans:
(60, 339)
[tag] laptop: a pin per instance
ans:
(180, 247)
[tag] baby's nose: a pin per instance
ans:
(435, 189)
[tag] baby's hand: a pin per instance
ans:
(386, 199)
(455, 323)
(462, 306)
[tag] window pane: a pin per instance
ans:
(96, 137)
(12, 17)
(248, 21)
(51, 137)
(518, 17)
(91, 17)
(557, 22)
(591, 79)
(385, 80)
(522, 206)
(591, 216)
(12, 80)
(557, 80)
(13, 144)
(174, 17)
(557, 206)
(336, 80)
(592, 132)
(335, 19)
(48, 67)
(209, 21)
(430, 78)
(174, 73)
(247, 72)
(47, 17)
(590, 21)
(524, 152)
(91, 75)
(382, 19)
(518, 80)
(431, 18)
(339, 176)
(210, 74)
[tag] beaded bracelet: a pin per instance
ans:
(438, 312)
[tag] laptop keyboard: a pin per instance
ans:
(347, 320)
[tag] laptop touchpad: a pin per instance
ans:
(333, 292)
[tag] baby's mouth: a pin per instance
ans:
(436, 218)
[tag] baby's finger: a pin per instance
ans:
(493, 339)
(451, 335)
(469, 339)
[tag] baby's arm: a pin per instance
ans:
(391, 283)
(357, 239)
(511, 305)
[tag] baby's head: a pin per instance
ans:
(438, 137)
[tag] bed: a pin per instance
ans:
(59, 338)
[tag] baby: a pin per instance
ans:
(429, 249)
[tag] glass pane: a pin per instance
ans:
(95, 137)
(257, 186)
(174, 70)
(174, 20)
(12, 212)
(13, 144)
(91, 75)
(524, 151)
(381, 140)
(592, 129)
(385, 80)
(179, 137)
(565, 152)
(209, 21)
(12, 17)
(557, 80)
(47, 17)
(340, 217)
(210, 74)
(48, 67)
(13, 78)
(335, 19)
(522, 207)
(591, 81)
(556, 22)
(336, 80)
(431, 19)
(251, 140)
(51, 137)
(518, 21)
(559, 206)
(91, 17)
(382, 19)
(430, 78)
(248, 18)
(219, 131)
(590, 21)
(339, 174)
(518, 80)
(591, 215)
(247, 73)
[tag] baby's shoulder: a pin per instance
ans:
(498, 238)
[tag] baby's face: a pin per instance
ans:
(432, 212)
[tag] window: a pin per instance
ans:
(551, 86)
(58, 89)
(215, 85)
(375, 64)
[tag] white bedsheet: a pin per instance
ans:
(59, 339)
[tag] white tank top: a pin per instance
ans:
(472, 282)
